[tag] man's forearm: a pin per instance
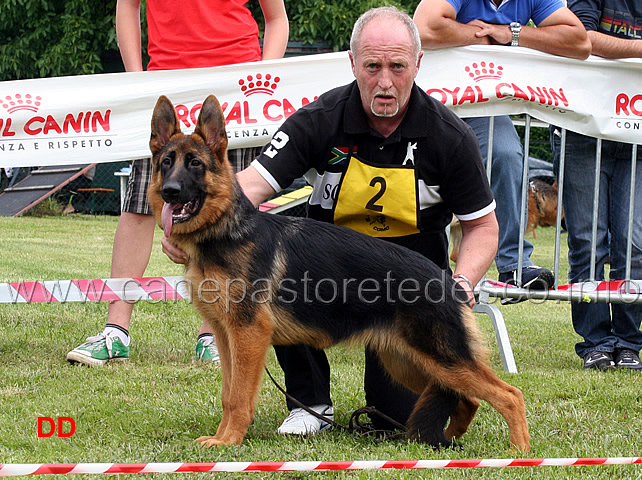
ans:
(562, 40)
(450, 33)
(478, 247)
(471, 262)
(614, 47)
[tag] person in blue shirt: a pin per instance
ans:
(452, 23)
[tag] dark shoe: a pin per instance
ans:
(625, 358)
(599, 360)
(533, 278)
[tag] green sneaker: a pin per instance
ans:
(206, 350)
(99, 350)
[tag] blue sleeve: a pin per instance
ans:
(457, 4)
(543, 8)
(588, 11)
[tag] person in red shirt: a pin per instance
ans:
(186, 34)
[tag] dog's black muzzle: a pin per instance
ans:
(172, 192)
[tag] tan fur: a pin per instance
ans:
(542, 205)
(462, 417)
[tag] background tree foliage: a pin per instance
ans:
(46, 38)
(50, 38)
(328, 21)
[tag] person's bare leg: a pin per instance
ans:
(130, 256)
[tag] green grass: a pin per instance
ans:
(152, 409)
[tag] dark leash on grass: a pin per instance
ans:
(356, 425)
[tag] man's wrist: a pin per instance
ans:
(464, 282)
(516, 29)
(460, 278)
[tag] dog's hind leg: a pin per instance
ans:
(475, 379)
(432, 411)
(249, 340)
(430, 415)
(507, 400)
(434, 406)
(461, 417)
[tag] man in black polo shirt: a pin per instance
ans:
(387, 160)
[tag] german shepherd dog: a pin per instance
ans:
(542, 205)
(273, 280)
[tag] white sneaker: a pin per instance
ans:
(300, 422)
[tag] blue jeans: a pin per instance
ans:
(506, 184)
(604, 327)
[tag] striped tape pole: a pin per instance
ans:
(9, 470)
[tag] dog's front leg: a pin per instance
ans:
(248, 343)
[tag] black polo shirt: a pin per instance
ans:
(317, 139)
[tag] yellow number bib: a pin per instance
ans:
(377, 201)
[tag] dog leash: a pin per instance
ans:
(356, 426)
(366, 430)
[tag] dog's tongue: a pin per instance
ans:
(166, 218)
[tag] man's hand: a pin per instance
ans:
(174, 253)
(496, 34)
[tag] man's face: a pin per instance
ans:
(385, 67)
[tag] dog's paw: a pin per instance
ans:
(208, 442)
(517, 450)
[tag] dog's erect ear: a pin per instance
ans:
(164, 124)
(211, 124)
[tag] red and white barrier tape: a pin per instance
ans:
(619, 286)
(177, 288)
(614, 291)
(129, 289)
(9, 470)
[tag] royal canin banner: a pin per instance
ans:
(105, 118)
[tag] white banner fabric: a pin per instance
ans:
(105, 118)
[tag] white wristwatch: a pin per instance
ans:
(515, 28)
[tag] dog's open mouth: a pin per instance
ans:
(178, 213)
